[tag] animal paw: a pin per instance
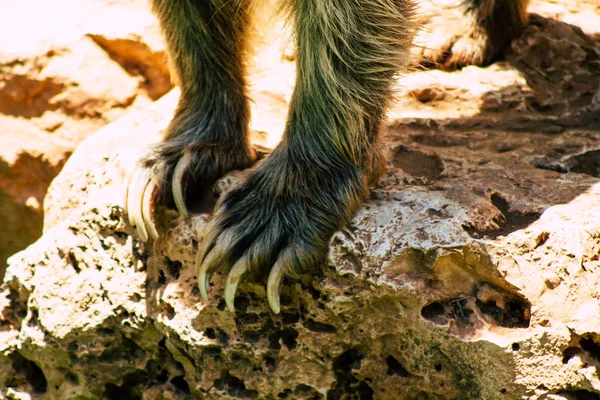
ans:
(178, 173)
(453, 36)
(277, 223)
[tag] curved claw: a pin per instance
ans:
(204, 261)
(129, 195)
(274, 285)
(211, 263)
(203, 278)
(236, 274)
(139, 182)
(177, 187)
(147, 209)
(128, 178)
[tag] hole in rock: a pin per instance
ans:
(162, 279)
(235, 387)
(181, 385)
(569, 353)
(303, 391)
(319, 327)
(514, 220)
(395, 368)
(439, 313)
(515, 314)
(585, 163)
(433, 311)
(591, 347)
(289, 338)
(132, 387)
(210, 333)
(580, 395)
(28, 371)
(347, 386)
(270, 363)
(174, 268)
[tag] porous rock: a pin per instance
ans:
(469, 273)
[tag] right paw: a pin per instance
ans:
(451, 39)
(277, 223)
(179, 175)
(466, 33)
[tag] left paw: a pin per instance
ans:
(278, 222)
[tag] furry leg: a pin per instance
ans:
(279, 221)
(206, 43)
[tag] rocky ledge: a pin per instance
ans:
(470, 273)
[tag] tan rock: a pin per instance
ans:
(85, 64)
(29, 160)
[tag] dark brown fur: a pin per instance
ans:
(348, 52)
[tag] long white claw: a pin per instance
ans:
(236, 274)
(130, 203)
(273, 286)
(147, 209)
(203, 280)
(128, 178)
(176, 185)
(134, 202)
(203, 262)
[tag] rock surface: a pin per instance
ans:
(470, 273)
(85, 64)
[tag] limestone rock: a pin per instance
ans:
(470, 272)
(86, 64)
